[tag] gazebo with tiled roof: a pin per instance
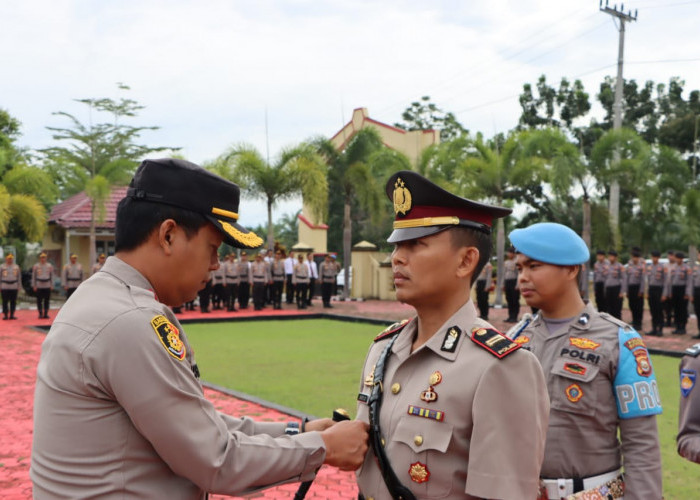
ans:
(69, 228)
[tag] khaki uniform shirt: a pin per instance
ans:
(301, 273)
(581, 364)
(328, 272)
(656, 275)
(490, 440)
(694, 280)
(10, 276)
(599, 271)
(119, 413)
(634, 275)
(244, 274)
(510, 272)
(277, 270)
(72, 275)
(260, 272)
(95, 268)
(218, 277)
(679, 276)
(42, 275)
(231, 273)
(613, 274)
(486, 273)
(688, 439)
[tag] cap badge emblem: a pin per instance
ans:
(402, 197)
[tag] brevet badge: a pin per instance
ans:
(402, 197)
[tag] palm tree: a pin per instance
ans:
(297, 170)
(22, 191)
(358, 173)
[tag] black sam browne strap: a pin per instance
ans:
(397, 490)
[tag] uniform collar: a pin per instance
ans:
(124, 272)
(464, 319)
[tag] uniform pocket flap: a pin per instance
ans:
(575, 370)
(422, 434)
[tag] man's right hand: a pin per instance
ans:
(346, 444)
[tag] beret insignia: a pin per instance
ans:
(493, 341)
(169, 336)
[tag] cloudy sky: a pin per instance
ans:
(271, 73)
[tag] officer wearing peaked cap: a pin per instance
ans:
(600, 379)
(118, 377)
(441, 389)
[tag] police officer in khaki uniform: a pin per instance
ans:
(599, 267)
(72, 275)
(10, 277)
(98, 265)
(484, 284)
(119, 411)
(677, 291)
(278, 277)
(327, 273)
(261, 277)
(245, 278)
(456, 410)
(231, 280)
(42, 283)
(688, 439)
(510, 286)
(300, 280)
(599, 375)
(614, 272)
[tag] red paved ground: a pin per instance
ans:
(22, 345)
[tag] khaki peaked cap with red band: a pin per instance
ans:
(423, 208)
(185, 185)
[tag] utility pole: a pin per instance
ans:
(614, 207)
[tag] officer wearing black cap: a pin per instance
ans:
(440, 390)
(120, 412)
(604, 396)
(10, 278)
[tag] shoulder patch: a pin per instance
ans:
(169, 336)
(390, 330)
(493, 341)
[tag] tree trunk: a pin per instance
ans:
(270, 229)
(586, 235)
(500, 245)
(93, 238)
(347, 250)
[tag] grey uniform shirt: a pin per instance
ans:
(301, 274)
(613, 274)
(634, 275)
(10, 276)
(72, 275)
(277, 270)
(656, 275)
(599, 271)
(260, 272)
(118, 412)
(688, 439)
(490, 439)
(510, 272)
(581, 364)
(328, 272)
(244, 274)
(230, 273)
(42, 275)
(679, 275)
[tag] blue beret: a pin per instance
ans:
(551, 243)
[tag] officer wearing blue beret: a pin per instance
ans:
(599, 375)
(440, 391)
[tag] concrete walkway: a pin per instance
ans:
(22, 346)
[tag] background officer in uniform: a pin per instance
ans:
(119, 411)
(42, 283)
(10, 277)
(261, 276)
(289, 264)
(694, 294)
(245, 278)
(599, 375)
(463, 411)
(300, 279)
(98, 265)
(278, 276)
(613, 285)
(633, 287)
(599, 280)
(327, 272)
(231, 280)
(677, 290)
(656, 283)
(72, 275)
(688, 439)
(484, 284)
(668, 304)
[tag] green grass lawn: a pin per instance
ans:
(314, 366)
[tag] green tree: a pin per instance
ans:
(97, 156)
(356, 176)
(425, 115)
(297, 170)
(552, 107)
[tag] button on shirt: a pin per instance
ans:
(489, 443)
(117, 415)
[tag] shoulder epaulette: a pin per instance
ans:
(615, 321)
(693, 350)
(390, 330)
(493, 341)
